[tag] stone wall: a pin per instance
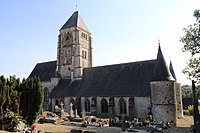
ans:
(117, 107)
(163, 98)
(179, 100)
(141, 105)
(49, 86)
(166, 113)
(79, 44)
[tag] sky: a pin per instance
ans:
(122, 31)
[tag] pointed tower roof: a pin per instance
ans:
(75, 21)
(161, 70)
(172, 70)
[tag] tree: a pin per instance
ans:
(9, 103)
(3, 90)
(191, 41)
(17, 99)
(31, 100)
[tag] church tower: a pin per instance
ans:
(163, 92)
(74, 52)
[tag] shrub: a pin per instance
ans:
(11, 119)
(190, 110)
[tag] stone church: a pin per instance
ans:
(132, 89)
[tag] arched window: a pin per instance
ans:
(56, 102)
(87, 105)
(122, 106)
(83, 54)
(104, 106)
(46, 94)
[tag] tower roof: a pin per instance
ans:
(161, 70)
(75, 21)
(172, 70)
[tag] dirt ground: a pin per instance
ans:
(183, 126)
(185, 121)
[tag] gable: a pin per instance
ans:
(45, 71)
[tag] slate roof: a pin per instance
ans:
(161, 70)
(172, 70)
(65, 88)
(45, 71)
(75, 21)
(129, 79)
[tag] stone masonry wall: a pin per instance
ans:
(141, 105)
(163, 100)
(179, 100)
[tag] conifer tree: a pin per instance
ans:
(32, 96)
(2, 99)
(16, 98)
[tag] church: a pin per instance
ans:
(133, 89)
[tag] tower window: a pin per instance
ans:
(84, 35)
(67, 38)
(84, 54)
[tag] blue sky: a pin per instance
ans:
(122, 31)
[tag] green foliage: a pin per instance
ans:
(9, 100)
(190, 110)
(32, 96)
(191, 41)
(17, 99)
(187, 91)
(11, 119)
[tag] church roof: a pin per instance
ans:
(45, 71)
(161, 70)
(75, 21)
(128, 79)
(65, 88)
